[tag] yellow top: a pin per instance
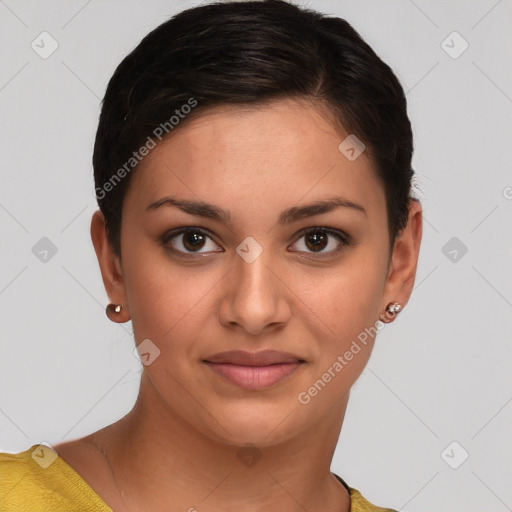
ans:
(38, 480)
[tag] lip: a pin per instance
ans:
(254, 370)
(262, 358)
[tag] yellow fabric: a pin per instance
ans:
(38, 480)
(26, 486)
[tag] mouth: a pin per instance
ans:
(254, 370)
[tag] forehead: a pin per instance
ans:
(278, 152)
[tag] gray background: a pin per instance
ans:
(439, 374)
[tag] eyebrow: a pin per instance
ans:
(293, 214)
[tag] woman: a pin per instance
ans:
(253, 172)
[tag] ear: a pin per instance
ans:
(110, 266)
(404, 260)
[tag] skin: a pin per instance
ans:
(178, 447)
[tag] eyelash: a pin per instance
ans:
(343, 239)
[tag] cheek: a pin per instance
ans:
(344, 309)
(167, 301)
(348, 298)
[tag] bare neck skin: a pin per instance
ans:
(160, 463)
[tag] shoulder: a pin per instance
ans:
(358, 503)
(38, 479)
(26, 480)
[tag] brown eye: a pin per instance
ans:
(322, 241)
(192, 240)
(189, 241)
(317, 241)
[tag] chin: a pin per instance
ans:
(259, 426)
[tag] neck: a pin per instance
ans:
(160, 462)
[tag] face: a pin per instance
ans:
(256, 273)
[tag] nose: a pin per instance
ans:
(255, 296)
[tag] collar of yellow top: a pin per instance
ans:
(51, 478)
(358, 503)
